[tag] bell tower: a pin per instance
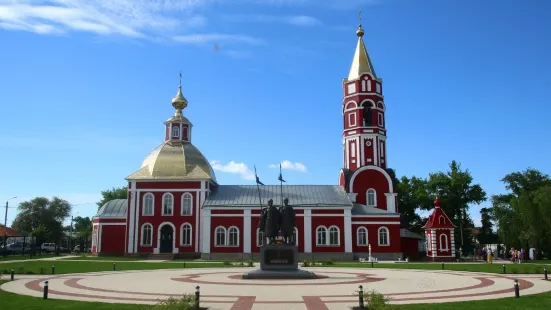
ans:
(363, 110)
(178, 127)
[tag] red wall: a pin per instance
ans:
(371, 179)
(163, 185)
(327, 221)
(112, 239)
(410, 248)
(227, 222)
(373, 239)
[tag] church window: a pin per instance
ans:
(147, 207)
(187, 204)
(352, 149)
(363, 85)
(147, 235)
(382, 149)
(259, 238)
(367, 115)
(361, 236)
(233, 236)
(186, 234)
(351, 88)
(220, 236)
(352, 119)
(371, 197)
(295, 235)
(381, 120)
(334, 235)
(383, 236)
(176, 131)
(168, 204)
(321, 235)
(443, 242)
(378, 88)
(368, 85)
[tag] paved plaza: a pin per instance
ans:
(223, 289)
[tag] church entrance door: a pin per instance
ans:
(167, 236)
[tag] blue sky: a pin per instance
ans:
(87, 84)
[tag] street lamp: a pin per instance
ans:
(6, 226)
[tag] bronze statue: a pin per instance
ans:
(271, 228)
(262, 223)
(288, 222)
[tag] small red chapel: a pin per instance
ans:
(439, 235)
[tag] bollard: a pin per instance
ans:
(13, 274)
(114, 266)
(53, 269)
(197, 295)
(46, 290)
(371, 264)
(442, 265)
(361, 297)
(504, 269)
(517, 289)
(544, 273)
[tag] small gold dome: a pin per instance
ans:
(179, 102)
(360, 31)
(174, 161)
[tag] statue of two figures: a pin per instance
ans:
(274, 220)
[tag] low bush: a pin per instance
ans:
(374, 300)
(226, 263)
(250, 263)
(186, 302)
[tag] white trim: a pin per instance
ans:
(136, 211)
(258, 215)
(143, 205)
(246, 231)
(391, 202)
(358, 236)
(358, 94)
(241, 208)
(376, 215)
(352, 145)
(228, 237)
(374, 192)
(387, 236)
(327, 233)
(190, 199)
(444, 249)
(98, 248)
(379, 169)
(175, 133)
(380, 120)
(351, 119)
(174, 190)
(111, 224)
(324, 234)
(307, 231)
(158, 248)
(205, 227)
(142, 244)
(222, 229)
(190, 234)
(375, 151)
(163, 204)
(375, 223)
(295, 232)
(441, 217)
(131, 221)
(348, 231)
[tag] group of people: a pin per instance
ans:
(517, 256)
(487, 254)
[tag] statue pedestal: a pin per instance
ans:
(279, 261)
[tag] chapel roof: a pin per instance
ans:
(299, 195)
(434, 219)
(115, 208)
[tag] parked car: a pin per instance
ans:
(77, 250)
(15, 248)
(47, 247)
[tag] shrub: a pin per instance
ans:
(226, 263)
(250, 263)
(305, 263)
(376, 301)
(241, 263)
(186, 302)
(329, 262)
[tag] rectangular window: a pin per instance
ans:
(351, 88)
(382, 149)
(368, 85)
(352, 149)
(352, 119)
(363, 85)
(381, 121)
(378, 88)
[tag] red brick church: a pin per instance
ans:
(176, 206)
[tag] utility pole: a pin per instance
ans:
(71, 235)
(6, 227)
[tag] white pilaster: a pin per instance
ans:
(131, 219)
(307, 231)
(348, 231)
(100, 238)
(247, 231)
(137, 219)
(199, 217)
(206, 231)
(391, 202)
(375, 151)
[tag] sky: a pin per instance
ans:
(85, 86)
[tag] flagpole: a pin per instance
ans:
(258, 187)
(281, 184)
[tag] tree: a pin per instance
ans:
(486, 235)
(114, 193)
(42, 218)
(456, 192)
(409, 200)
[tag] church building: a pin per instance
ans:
(176, 207)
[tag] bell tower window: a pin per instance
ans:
(367, 116)
(176, 132)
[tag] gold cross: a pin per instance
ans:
(360, 16)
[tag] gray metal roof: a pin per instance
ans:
(404, 233)
(299, 195)
(360, 209)
(113, 208)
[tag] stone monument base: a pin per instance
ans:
(279, 274)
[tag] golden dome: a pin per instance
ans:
(360, 31)
(179, 102)
(174, 161)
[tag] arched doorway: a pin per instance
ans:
(166, 239)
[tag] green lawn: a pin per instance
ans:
(481, 267)
(20, 257)
(63, 267)
(106, 258)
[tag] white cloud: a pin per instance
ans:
(215, 38)
(288, 165)
(234, 167)
(296, 20)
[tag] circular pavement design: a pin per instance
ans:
(223, 289)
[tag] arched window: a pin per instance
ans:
(334, 235)
(361, 236)
(147, 206)
(259, 238)
(321, 235)
(220, 236)
(185, 236)
(441, 220)
(168, 204)
(176, 131)
(295, 233)
(233, 236)
(443, 242)
(147, 235)
(371, 198)
(187, 204)
(383, 236)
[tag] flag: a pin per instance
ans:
(280, 178)
(257, 179)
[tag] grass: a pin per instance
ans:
(64, 267)
(481, 267)
(21, 257)
(106, 258)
